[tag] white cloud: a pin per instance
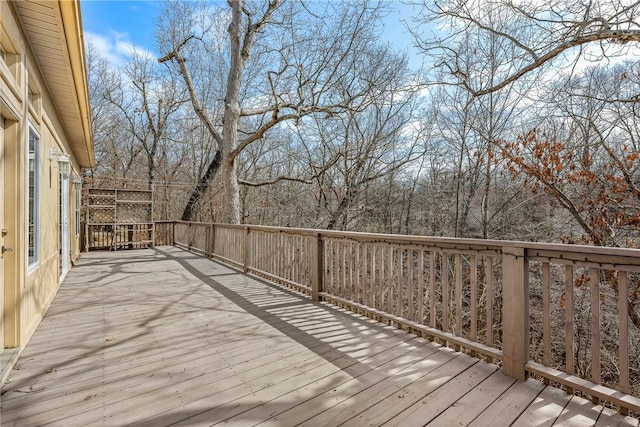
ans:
(116, 47)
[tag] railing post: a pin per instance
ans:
(189, 236)
(515, 309)
(246, 252)
(317, 266)
(173, 233)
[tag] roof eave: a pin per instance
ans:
(72, 25)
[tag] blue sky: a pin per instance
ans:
(117, 26)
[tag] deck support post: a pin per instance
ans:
(515, 306)
(317, 265)
(246, 250)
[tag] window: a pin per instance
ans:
(33, 96)
(33, 198)
(8, 54)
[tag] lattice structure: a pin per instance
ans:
(119, 218)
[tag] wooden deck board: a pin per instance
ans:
(545, 409)
(510, 405)
(164, 337)
(579, 412)
(465, 410)
(430, 405)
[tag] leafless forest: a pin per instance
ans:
(522, 123)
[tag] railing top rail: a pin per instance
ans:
(600, 254)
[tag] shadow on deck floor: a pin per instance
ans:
(165, 337)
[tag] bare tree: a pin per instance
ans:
(540, 33)
(115, 153)
(146, 98)
(471, 125)
(283, 62)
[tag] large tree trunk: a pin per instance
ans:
(203, 185)
(239, 56)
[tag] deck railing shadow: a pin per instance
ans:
(276, 306)
(562, 313)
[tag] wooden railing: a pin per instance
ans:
(524, 305)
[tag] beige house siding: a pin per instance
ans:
(53, 71)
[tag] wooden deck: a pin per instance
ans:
(164, 337)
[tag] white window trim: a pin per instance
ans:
(36, 232)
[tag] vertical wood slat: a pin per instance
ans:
(363, 267)
(568, 325)
(263, 252)
(339, 286)
(328, 265)
(410, 285)
(458, 272)
(347, 293)
(290, 267)
(421, 288)
(300, 260)
(345, 266)
(489, 290)
(356, 271)
(381, 272)
(372, 278)
(280, 255)
(286, 256)
(432, 289)
(390, 287)
(364, 273)
(350, 263)
(623, 325)
(274, 247)
(246, 250)
(296, 259)
(317, 268)
(210, 237)
(257, 250)
(338, 274)
(359, 268)
(332, 285)
(276, 253)
(594, 275)
(473, 283)
(546, 316)
(400, 282)
(444, 258)
(266, 258)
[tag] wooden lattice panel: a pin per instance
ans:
(102, 215)
(134, 195)
(133, 213)
(119, 218)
